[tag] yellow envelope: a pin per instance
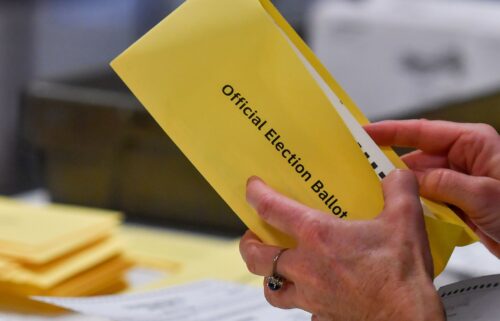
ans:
(170, 251)
(241, 94)
(40, 234)
(106, 277)
(184, 256)
(222, 263)
(51, 274)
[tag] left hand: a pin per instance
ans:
(455, 164)
(379, 269)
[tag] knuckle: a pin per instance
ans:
(405, 204)
(487, 192)
(485, 129)
(437, 179)
(477, 137)
(398, 177)
(251, 254)
(244, 244)
(315, 231)
(485, 188)
(251, 267)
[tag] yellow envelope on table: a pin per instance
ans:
(38, 235)
(241, 94)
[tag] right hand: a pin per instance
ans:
(458, 164)
(337, 264)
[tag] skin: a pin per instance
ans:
(373, 270)
(458, 164)
(381, 269)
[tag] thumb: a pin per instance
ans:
(403, 210)
(476, 196)
(400, 190)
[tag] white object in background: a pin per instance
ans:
(474, 299)
(141, 276)
(468, 262)
(394, 57)
(199, 301)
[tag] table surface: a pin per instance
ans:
(466, 262)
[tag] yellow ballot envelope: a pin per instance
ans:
(40, 235)
(241, 94)
(59, 250)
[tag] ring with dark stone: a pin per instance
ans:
(275, 282)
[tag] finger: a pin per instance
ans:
(279, 211)
(284, 298)
(420, 161)
(429, 136)
(259, 257)
(489, 242)
(476, 196)
(402, 202)
(492, 245)
(403, 207)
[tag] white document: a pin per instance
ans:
(199, 301)
(472, 300)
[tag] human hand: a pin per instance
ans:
(458, 164)
(379, 269)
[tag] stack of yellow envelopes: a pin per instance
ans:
(59, 250)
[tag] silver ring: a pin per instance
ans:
(276, 281)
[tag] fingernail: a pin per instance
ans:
(254, 179)
(396, 171)
(251, 192)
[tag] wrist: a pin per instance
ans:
(418, 302)
(423, 304)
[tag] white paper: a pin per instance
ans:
(472, 300)
(468, 262)
(475, 299)
(142, 276)
(200, 301)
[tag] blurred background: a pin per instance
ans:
(70, 128)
